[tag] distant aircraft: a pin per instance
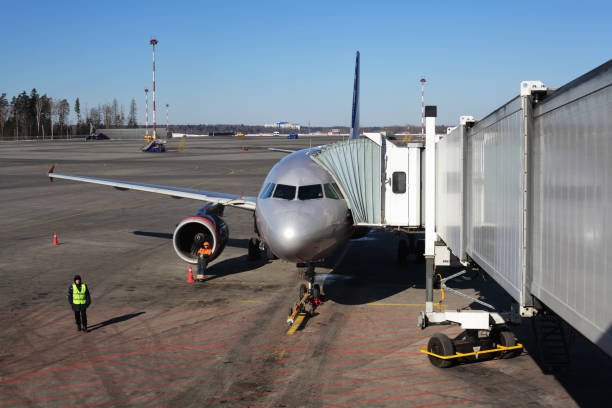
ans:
(300, 214)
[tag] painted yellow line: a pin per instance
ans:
(233, 283)
(296, 324)
(399, 304)
(281, 355)
(395, 304)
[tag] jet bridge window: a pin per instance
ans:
(330, 192)
(285, 192)
(266, 192)
(399, 182)
(310, 192)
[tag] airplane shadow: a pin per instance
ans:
(233, 242)
(369, 271)
(114, 320)
(233, 266)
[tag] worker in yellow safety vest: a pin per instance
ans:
(203, 254)
(79, 299)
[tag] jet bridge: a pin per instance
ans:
(525, 194)
(379, 178)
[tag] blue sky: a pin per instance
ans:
(255, 62)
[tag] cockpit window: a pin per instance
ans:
(337, 190)
(284, 191)
(330, 192)
(310, 192)
(267, 190)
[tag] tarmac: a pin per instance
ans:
(157, 341)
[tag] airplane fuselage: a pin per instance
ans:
(300, 214)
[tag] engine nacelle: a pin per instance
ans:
(205, 225)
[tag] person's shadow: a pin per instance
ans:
(114, 320)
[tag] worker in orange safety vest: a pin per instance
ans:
(204, 254)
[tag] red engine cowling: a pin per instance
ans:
(193, 231)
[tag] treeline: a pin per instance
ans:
(36, 116)
(254, 129)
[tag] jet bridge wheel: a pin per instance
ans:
(506, 338)
(441, 345)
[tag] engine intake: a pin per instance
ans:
(193, 231)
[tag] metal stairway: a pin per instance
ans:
(551, 341)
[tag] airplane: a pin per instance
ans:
(300, 213)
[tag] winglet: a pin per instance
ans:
(51, 170)
(355, 115)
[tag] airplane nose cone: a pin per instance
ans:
(293, 237)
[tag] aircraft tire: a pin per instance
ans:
(316, 292)
(270, 255)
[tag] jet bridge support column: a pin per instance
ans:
(430, 203)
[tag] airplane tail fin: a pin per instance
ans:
(355, 116)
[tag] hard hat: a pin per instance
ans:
(206, 244)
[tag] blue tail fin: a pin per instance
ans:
(355, 116)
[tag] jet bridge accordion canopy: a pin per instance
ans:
(355, 165)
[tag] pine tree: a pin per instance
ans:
(77, 110)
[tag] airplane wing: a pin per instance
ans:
(273, 149)
(247, 203)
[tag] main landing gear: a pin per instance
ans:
(309, 296)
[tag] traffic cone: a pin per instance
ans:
(190, 276)
(55, 243)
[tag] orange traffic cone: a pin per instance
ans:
(190, 276)
(55, 239)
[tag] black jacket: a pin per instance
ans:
(77, 308)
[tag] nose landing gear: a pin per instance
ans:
(308, 300)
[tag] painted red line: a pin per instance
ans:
(192, 338)
(123, 370)
(444, 403)
(380, 341)
(284, 370)
(97, 382)
(256, 394)
(562, 398)
(367, 370)
(87, 394)
(389, 377)
(344, 394)
(420, 394)
(146, 350)
(394, 329)
(165, 347)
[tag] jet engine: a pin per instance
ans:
(192, 232)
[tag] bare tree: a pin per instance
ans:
(115, 113)
(63, 113)
(132, 115)
(77, 110)
(121, 116)
(108, 115)
(3, 113)
(51, 114)
(40, 102)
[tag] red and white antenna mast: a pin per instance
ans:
(146, 112)
(153, 42)
(423, 108)
(167, 120)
